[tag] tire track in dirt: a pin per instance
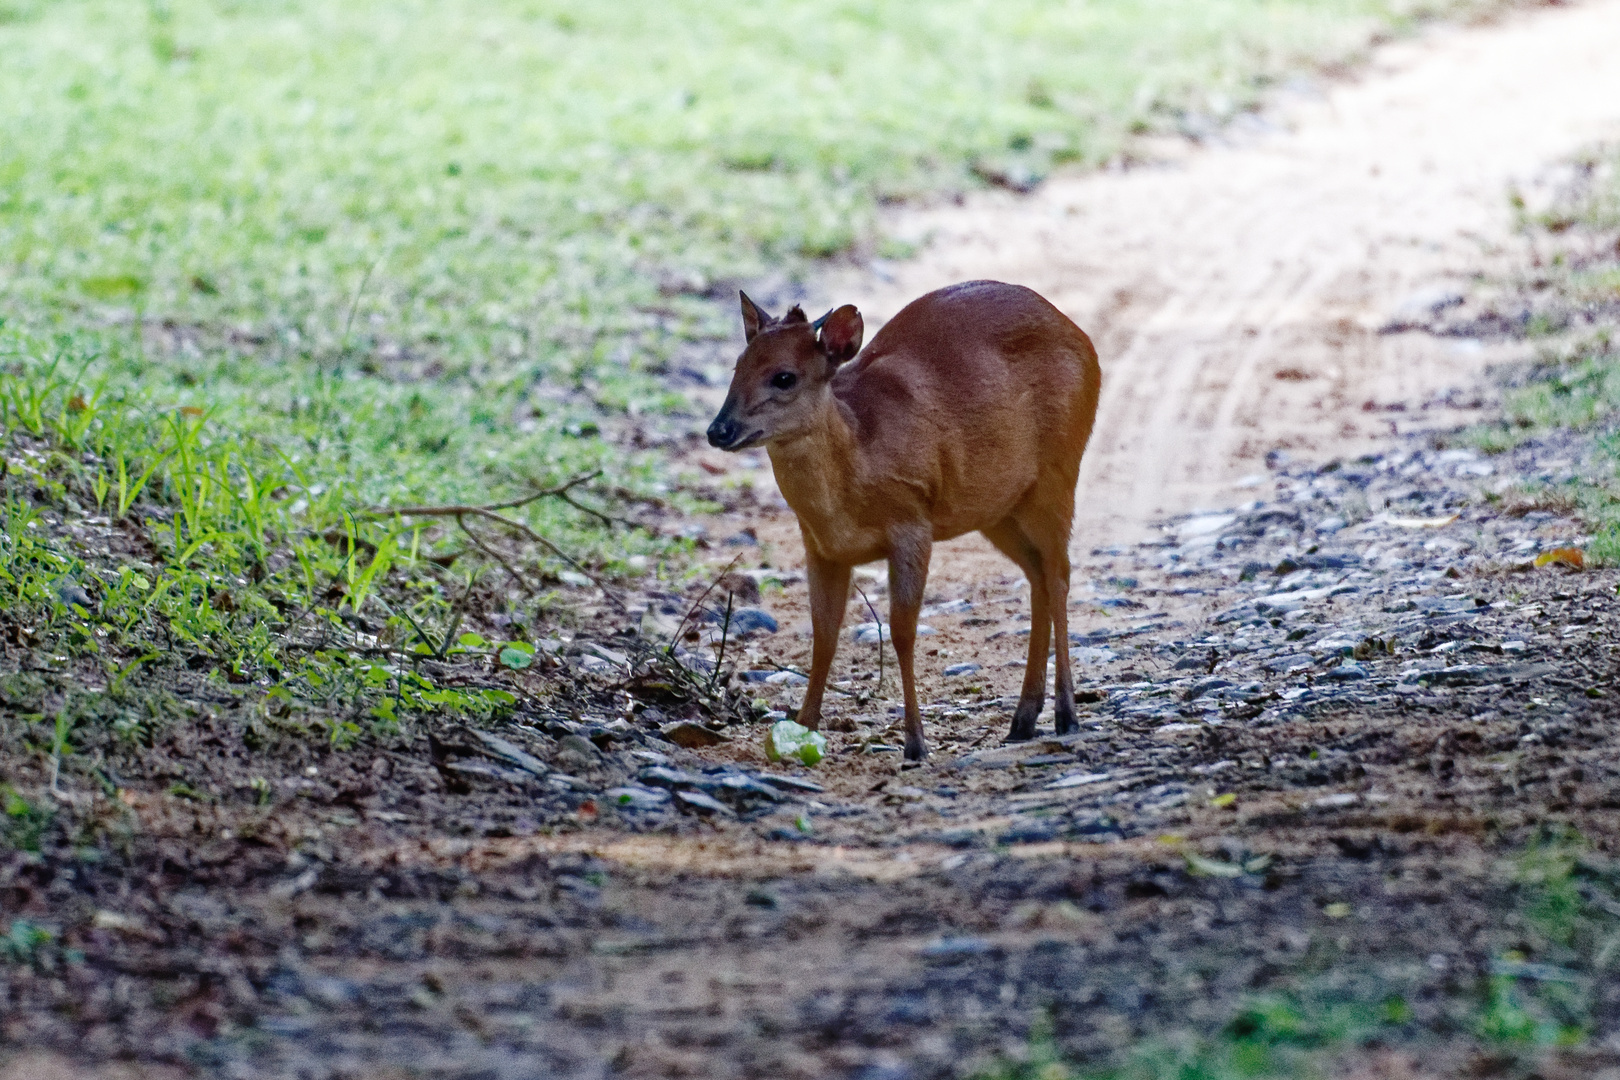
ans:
(1282, 248)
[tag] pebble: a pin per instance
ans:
(1078, 780)
(71, 592)
(787, 678)
(664, 776)
(701, 803)
(1348, 671)
(751, 620)
(740, 787)
(692, 736)
(867, 633)
(958, 946)
(579, 750)
(790, 783)
(637, 798)
(962, 669)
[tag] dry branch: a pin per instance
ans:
(491, 512)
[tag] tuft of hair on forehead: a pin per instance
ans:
(795, 314)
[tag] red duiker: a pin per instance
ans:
(968, 411)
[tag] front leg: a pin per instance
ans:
(908, 577)
(829, 596)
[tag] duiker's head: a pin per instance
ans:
(782, 374)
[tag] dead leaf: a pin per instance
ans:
(1199, 865)
(1573, 558)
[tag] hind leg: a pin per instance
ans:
(1048, 532)
(1011, 541)
(1046, 520)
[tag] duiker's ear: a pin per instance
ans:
(841, 333)
(754, 317)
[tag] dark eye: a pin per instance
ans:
(784, 380)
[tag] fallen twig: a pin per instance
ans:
(560, 491)
(698, 603)
(879, 623)
(511, 571)
(491, 512)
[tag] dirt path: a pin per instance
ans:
(1236, 292)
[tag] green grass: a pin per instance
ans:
(506, 184)
(267, 268)
(1574, 381)
(239, 524)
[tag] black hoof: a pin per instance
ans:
(916, 749)
(1064, 720)
(1023, 724)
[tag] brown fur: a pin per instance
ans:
(968, 412)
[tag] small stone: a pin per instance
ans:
(602, 652)
(787, 678)
(691, 736)
(1349, 671)
(962, 669)
(1204, 686)
(666, 776)
(958, 946)
(868, 633)
(751, 620)
(1079, 780)
(703, 804)
(70, 592)
(740, 787)
(1330, 524)
(637, 798)
(578, 749)
(511, 753)
(790, 783)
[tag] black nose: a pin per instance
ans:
(723, 432)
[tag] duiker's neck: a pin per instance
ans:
(819, 469)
